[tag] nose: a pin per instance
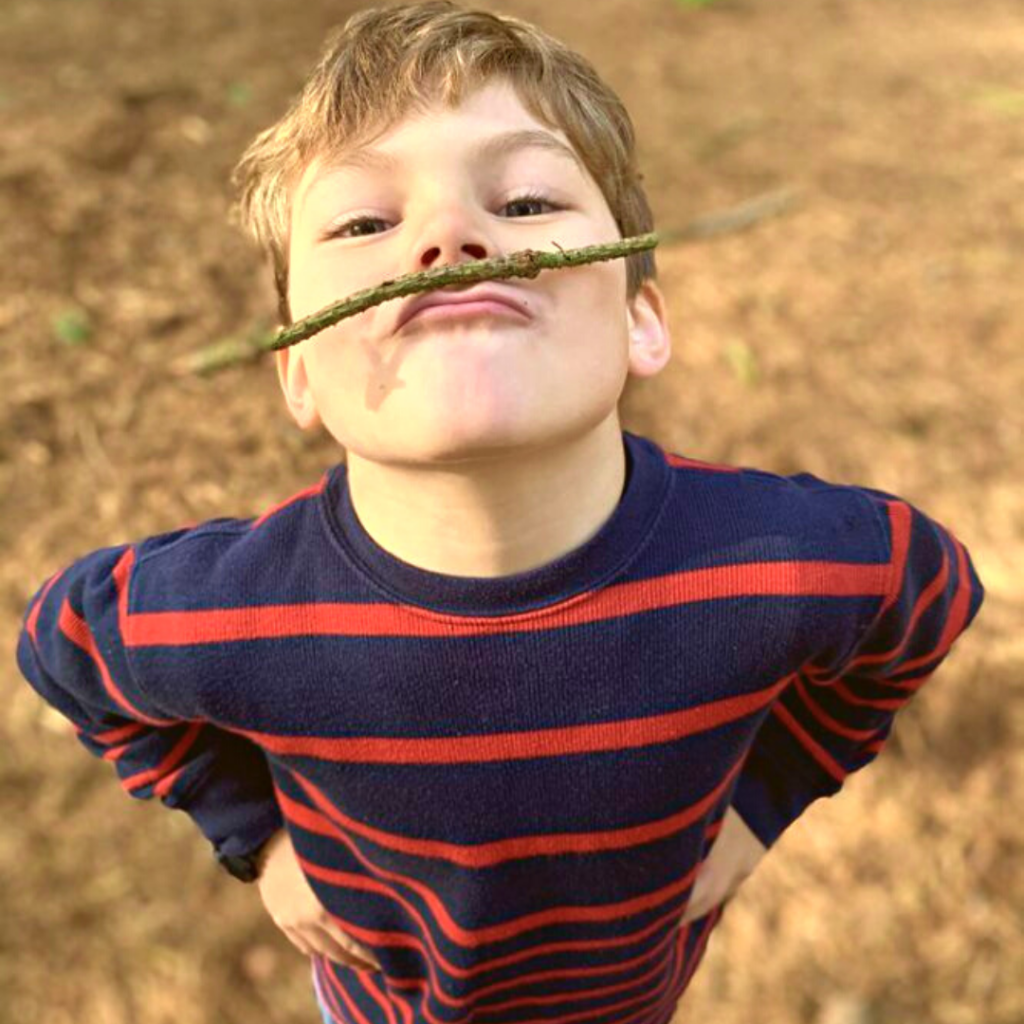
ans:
(451, 236)
(440, 255)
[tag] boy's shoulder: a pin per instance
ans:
(283, 519)
(820, 516)
(205, 555)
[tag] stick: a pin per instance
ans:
(525, 263)
(741, 216)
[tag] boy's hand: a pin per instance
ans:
(734, 855)
(294, 908)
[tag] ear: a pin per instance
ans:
(650, 345)
(291, 372)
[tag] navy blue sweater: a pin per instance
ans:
(504, 787)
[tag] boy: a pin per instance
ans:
(505, 707)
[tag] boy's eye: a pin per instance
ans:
(530, 200)
(349, 228)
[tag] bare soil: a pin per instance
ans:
(873, 334)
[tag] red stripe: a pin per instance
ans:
(173, 758)
(885, 704)
(956, 617)
(217, 625)
(372, 985)
(900, 519)
(353, 1009)
(827, 720)
(698, 949)
(675, 988)
(485, 855)
(308, 492)
(122, 575)
(587, 738)
(166, 784)
(818, 752)
(911, 686)
(327, 999)
(124, 732)
(33, 616)
(924, 600)
(961, 603)
(670, 997)
(680, 462)
(77, 631)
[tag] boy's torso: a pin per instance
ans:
(442, 773)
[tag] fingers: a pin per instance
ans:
(320, 940)
(336, 945)
(734, 854)
(694, 909)
(295, 908)
(296, 939)
(701, 897)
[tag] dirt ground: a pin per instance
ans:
(871, 334)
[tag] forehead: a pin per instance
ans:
(491, 117)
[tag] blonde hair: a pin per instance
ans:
(388, 61)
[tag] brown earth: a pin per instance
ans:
(868, 336)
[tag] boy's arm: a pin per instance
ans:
(72, 651)
(835, 716)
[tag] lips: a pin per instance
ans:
(477, 295)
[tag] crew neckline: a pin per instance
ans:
(587, 567)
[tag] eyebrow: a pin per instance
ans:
(493, 148)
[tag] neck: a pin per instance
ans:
(494, 517)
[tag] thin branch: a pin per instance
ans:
(525, 263)
(739, 217)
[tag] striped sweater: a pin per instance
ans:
(504, 787)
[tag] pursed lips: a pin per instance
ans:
(477, 301)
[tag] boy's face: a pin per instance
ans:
(435, 189)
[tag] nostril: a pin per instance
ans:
(432, 255)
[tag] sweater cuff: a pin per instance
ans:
(770, 795)
(234, 806)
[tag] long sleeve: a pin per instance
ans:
(835, 715)
(72, 651)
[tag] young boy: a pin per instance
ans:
(506, 706)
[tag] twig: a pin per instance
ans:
(740, 217)
(525, 263)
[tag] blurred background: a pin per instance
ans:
(847, 179)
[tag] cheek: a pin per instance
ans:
(298, 287)
(342, 357)
(598, 292)
(595, 328)
(326, 368)
(315, 281)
